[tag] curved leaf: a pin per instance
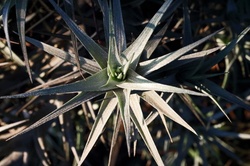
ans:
(6, 9)
(20, 15)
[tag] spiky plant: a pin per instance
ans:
(123, 78)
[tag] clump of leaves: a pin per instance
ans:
(123, 77)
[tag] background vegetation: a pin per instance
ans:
(59, 141)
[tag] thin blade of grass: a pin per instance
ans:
(90, 45)
(139, 121)
(200, 148)
(228, 134)
(6, 9)
(70, 135)
(218, 115)
(165, 125)
(6, 51)
(227, 149)
(103, 115)
(158, 103)
(193, 107)
(210, 63)
(20, 15)
(116, 141)
(218, 105)
(187, 35)
(136, 48)
(12, 125)
(214, 89)
(74, 102)
(183, 147)
(41, 149)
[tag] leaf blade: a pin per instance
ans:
(20, 15)
(139, 121)
(104, 113)
(225, 51)
(74, 102)
(135, 49)
(157, 102)
(123, 96)
(94, 49)
(157, 63)
(86, 64)
(137, 82)
(91, 84)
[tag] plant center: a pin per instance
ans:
(117, 74)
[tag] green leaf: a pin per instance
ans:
(136, 48)
(160, 105)
(151, 65)
(137, 82)
(87, 65)
(119, 27)
(104, 113)
(123, 96)
(185, 59)
(94, 83)
(93, 48)
(20, 15)
(114, 59)
(74, 102)
(139, 121)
